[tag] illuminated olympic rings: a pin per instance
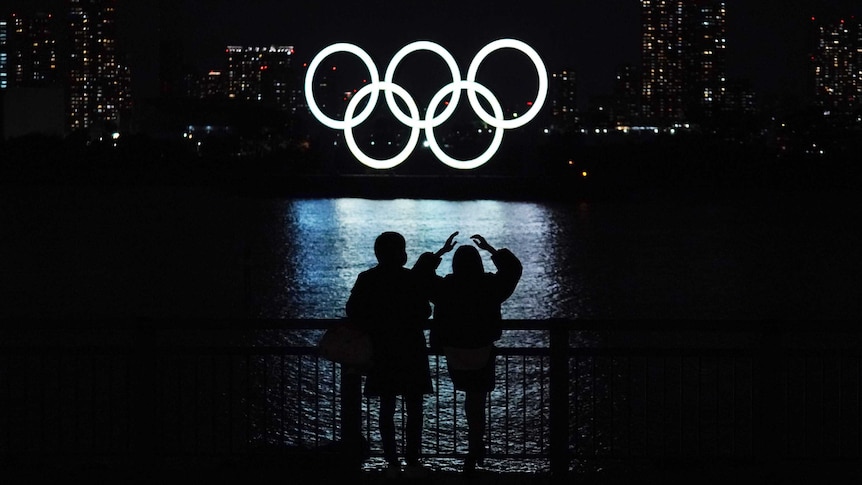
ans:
(413, 120)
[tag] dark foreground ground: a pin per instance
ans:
(311, 471)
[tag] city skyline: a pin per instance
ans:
(767, 41)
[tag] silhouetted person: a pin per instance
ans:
(466, 324)
(390, 302)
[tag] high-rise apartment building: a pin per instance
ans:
(661, 48)
(211, 85)
(627, 89)
(33, 56)
(28, 51)
(4, 77)
(30, 75)
(704, 57)
(261, 74)
(563, 100)
(4, 54)
(837, 65)
(740, 97)
(99, 79)
(683, 59)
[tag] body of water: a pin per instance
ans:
(201, 253)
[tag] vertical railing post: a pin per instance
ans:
(351, 418)
(768, 400)
(559, 402)
(144, 407)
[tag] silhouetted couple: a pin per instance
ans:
(393, 303)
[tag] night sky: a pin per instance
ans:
(766, 38)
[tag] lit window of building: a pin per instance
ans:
(682, 58)
(257, 74)
(836, 63)
(4, 56)
(100, 83)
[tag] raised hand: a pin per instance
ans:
(448, 245)
(482, 243)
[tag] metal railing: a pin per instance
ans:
(587, 395)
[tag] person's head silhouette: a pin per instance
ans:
(390, 249)
(467, 262)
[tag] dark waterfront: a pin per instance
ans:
(148, 254)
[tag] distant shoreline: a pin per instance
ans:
(387, 186)
(564, 189)
(689, 167)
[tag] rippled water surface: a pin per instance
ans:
(326, 243)
(756, 257)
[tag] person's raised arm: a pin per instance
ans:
(509, 268)
(448, 245)
(427, 263)
(483, 244)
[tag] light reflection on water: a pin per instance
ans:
(328, 242)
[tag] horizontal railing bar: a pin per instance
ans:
(109, 349)
(13, 326)
(645, 384)
(247, 349)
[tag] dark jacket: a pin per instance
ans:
(391, 304)
(467, 310)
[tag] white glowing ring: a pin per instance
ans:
(453, 69)
(414, 121)
(374, 88)
(309, 78)
(473, 87)
(520, 121)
